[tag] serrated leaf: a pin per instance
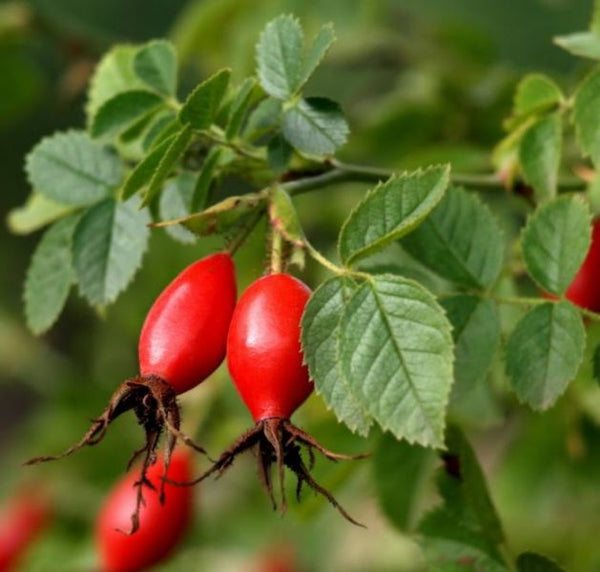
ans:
(586, 116)
(72, 169)
(175, 202)
(156, 65)
(265, 117)
(460, 240)
(168, 162)
(145, 169)
(284, 218)
(391, 210)
(544, 352)
(205, 179)
(396, 352)
(239, 108)
(108, 245)
(122, 111)
(476, 334)
(279, 55)
(400, 472)
(315, 126)
(279, 153)
(113, 75)
(201, 106)
(317, 51)
(583, 44)
(50, 276)
(539, 155)
(37, 212)
(163, 126)
(555, 242)
(320, 340)
(536, 93)
(531, 562)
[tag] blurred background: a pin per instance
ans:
(422, 81)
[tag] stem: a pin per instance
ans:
(244, 233)
(216, 136)
(276, 266)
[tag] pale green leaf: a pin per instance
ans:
(37, 212)
(50, 276)
(123, 111)
(72, 169)
(156, 65)
(202, 105)
(544, 352)
(390, 211)
(396, 352)
(315, 126)
(555, 242)
(583, 44)
(320, 341)
(539, 155)
(536, 93)
(175, 202)
(279, 56)
(317, 51)
(531, 562)
(586, 116)
(461, 241)
(401, 472)
(239, 108)
(108, 245)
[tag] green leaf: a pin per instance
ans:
(315, 126)
(37, 212)
(239, 108)
(391, 210)
(265, 117)
(72, 169)
(175, 202)
(400, 472)
(168, 162)
(156, 65)
(202, 105)
(460, 240)
(320, 342)
(555, 242)
(145, 169)
(122, 111)
(583, 44)
(279, 153)
(163, 126)
(279, 56)
(396, 352)
(317, 51)
(205, 178)
(284, 218)
(596, 364)
(531, 562)
(544, 352)
(540, 153)
(108, 246)
(536, 93)
(476, 334)
(113, 75)
(50, 276)
(586, 116)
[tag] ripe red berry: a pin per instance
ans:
(584, 290)
(162, 526)
(184, 336)
(264, 354)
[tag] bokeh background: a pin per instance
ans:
(421, 81)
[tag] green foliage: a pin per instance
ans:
(530, 562)
(555, 242)
(585, 116)
(36, 213)
(536, 93)
(544, 352)
(239, 108)
(201, 106)
(460, 241)
(176, 202)
(156, 65)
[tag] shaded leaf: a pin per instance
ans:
(279, 153)
(531, 562)
(202, 105)
(586, 116)
(265, 117)
(175, 202)
(239, 108)
(205, 178)
(156, 65)
(317, 51)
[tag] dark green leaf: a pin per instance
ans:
(239, 108)
(108, 245)
(544, 352)
(50, 276)
(205, 179)
(122, 111)
(555, 242)
(530, 562)
(320, 341)
(400, 471)
(71, 169)
(390, 211)
(596, 364)
(460, 241)
(202, 105)
(156, 64)
(279, 153)
(396, 352)
(175, 202)
(315, 126)
(586, 115)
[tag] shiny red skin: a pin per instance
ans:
(161, 526)
(21, 522)
(584, 291)
(264, 354)
(184, 336)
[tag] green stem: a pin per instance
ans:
(276, 265)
